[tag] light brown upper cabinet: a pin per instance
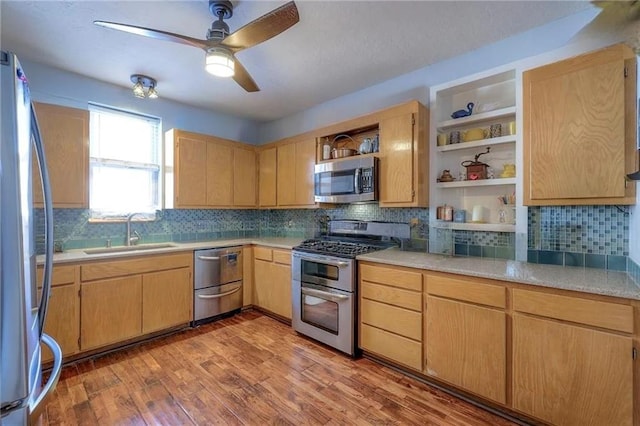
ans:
(286, 174)
(210, 172)
(296, 163)
(244, 176)
(579, 118)
(65, 134)
(267, 165)
(403, 180)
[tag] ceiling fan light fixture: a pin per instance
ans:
(144, 86)
(219, 62)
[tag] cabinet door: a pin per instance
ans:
(575, 145)
(272, 287)
(305, 163)
(286, 172)
(267, 165)
(466, 346)
(262, 284)
(191, 172)
(219, 175)
(571, 375)
(110, 311)
(281, 290)
(396, 163)
(63, 320)
(65, 134)
(247, 276)
(167, 299)
(244, 177)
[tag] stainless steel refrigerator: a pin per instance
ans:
(22, 309)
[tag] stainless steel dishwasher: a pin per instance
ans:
(217, 282)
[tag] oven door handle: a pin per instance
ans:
(323, 294)
(218, 296)
(209, 257)
(338, 264)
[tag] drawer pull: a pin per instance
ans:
(217, 296)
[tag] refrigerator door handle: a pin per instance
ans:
(37, 405)
(48, 221)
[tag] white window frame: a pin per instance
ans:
(102, 215)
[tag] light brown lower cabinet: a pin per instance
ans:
(63, 314)
(560, 357)
(390, 313)
(167, 299)
(466, 329)
(111, 311)
(467, 346)
(565, 371)
(272, 280)
(125, 299)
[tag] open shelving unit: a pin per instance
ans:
(494, 98)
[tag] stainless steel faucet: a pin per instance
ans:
(131, 240)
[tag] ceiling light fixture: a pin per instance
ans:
(142, 82)
(219, 62)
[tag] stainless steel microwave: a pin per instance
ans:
(348, 180)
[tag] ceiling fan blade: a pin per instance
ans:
(157, 34)
(618, 19)
(263, 28)
(242, 77)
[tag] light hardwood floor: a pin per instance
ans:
(247, 369)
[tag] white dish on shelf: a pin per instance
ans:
(488, 107)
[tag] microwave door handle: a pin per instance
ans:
(357, 181)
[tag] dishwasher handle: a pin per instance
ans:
(209, 258)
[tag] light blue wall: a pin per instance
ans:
(55, 86)
(415, 85)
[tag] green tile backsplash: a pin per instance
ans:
(591, 236)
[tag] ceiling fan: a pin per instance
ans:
(221, 46)
(618, 20)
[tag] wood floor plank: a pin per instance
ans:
(248, 369)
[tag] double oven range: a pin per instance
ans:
(324, 279)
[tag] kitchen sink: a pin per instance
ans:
(121, 249)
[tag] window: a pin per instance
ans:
(124, 163)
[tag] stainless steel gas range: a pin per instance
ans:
(324, 279)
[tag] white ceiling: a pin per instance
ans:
(338, 47)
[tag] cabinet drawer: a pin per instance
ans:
(281, 256)
(391, 346)
(263, 253)
(455, 287)
(397, 320)
(108, 269)
(392, 295)
(392, 276)
(608, 315)
(61, 275)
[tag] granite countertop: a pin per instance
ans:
(588, 280)
(80, 255)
